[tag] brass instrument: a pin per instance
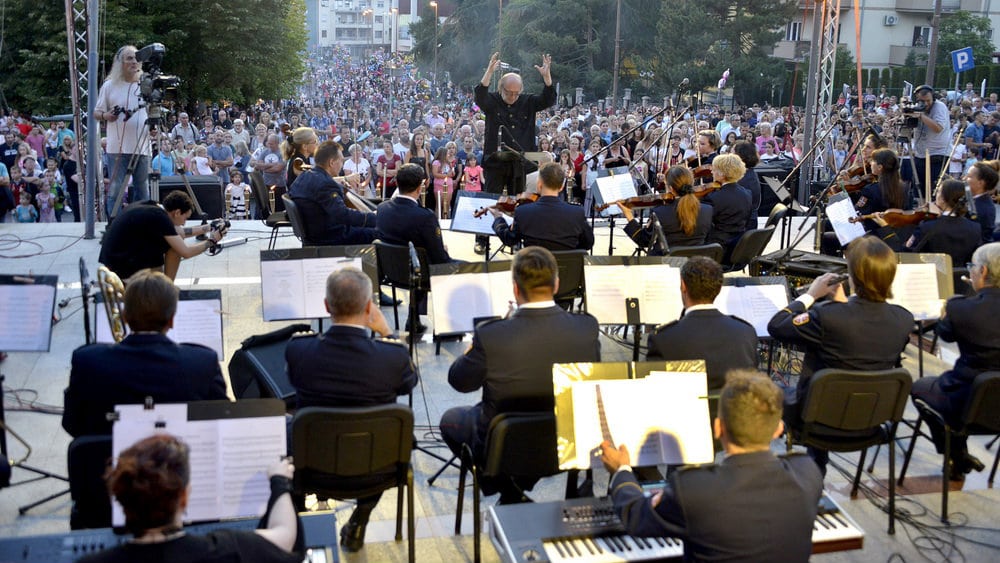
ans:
(113, 291)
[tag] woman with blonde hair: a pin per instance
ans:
(301, 144)
(731, 203)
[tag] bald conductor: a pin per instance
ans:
(510, 121)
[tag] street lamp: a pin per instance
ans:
(395, 30)
(371, 31)
(435, 6)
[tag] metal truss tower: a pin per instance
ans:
(820, 90)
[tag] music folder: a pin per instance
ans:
(463, 292)
(293, 280)
(467, 204)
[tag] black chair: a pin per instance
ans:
(517, 445)
(571, 279)
(780, 214)
(87, 459)
(750, 246)
(295, 218)
(847, 411)
(393, 261)
(713, 251)
(273, 219)
(349, 453)
(980, 417)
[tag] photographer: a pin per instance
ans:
(148, 235)
(120, 104)
(931, 136)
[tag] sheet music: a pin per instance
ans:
(839, 211)
(457, 299)
(615, 187)
(198, 321)
(464, 219)
(294, 289)
(657, 286)
(26, 317)
(661, 419)
(755, 304)
(915, 288)
(228, 457)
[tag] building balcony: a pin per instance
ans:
(925, 7)
(899, 53)
(790, 50)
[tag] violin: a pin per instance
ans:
(858, 182)
(652, 200)
(699, 170)
(897, 218)
(507, 204)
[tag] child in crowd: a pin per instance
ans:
(956, 167)
(46, 200)
(199, 162)
(53, 165)
(18, 185)
(237, 192)
(473, 176)
(839, 155)
(26, 213)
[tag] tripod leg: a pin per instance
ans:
(23, 509)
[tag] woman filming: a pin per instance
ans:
(152, 483)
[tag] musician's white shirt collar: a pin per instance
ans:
(401, 196)
(537, 305)
(702, 307)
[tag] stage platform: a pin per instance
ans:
(36, 380)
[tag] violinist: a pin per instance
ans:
(982, 180)
(685, 220)
(887, 191)
(747, 151)
(708, 146)
(300, 143)
(951, 232)
(549, 222)
(731, 204)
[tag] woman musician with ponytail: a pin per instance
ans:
(951, 232)
(685, 220)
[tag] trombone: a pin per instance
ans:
(113, 291)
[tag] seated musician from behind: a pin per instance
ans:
(972, 323)
(549, 222)
(326, 217)
(753, 506)
(152, 482)
(951, 232)
(982, 179)
(731, 204)
(145, 364)
(685, 220)
(511, 360)
(860, 333)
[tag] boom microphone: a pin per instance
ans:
(683, 83)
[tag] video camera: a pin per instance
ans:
(155, 87)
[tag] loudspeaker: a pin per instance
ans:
(257, 369)
(208, 189)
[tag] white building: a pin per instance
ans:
(364, 25)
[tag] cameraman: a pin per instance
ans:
(120, 105)
(147, 235)
(931, 136)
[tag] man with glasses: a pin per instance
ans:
(969, 321)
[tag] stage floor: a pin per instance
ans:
(38, 379)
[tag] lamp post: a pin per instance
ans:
(435, 6)
(371, 31)
(395, 30)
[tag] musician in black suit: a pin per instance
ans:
(971, 321)
(951, 232)
(731, 204)
(982, 180)
(753, 506)
(326, 218)
(685, 220)
(145, 364)
(511, 359)
(344, 367)
(697, 334)
(861, 333)
(549, 222)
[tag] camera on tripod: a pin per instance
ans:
(220, 224)
(155, 87)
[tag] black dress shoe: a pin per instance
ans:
(972, 463)
(420, 328)
(352, 536)
(386, 301)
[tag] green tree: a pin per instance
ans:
(238, 50)
(964, 29)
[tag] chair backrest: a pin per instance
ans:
(571, 279)
(521, 445)
(982, 412)
(351, 442)
(751, 245)
(393, 262)
(87, 459)
(260, 192)
(295, 218)
(713, 251)
(856, 400)
(777, 213)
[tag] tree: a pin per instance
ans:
(238, 50)
(964, 29)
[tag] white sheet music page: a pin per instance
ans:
(657, 286)
(246, 447)
(839, 211)
(457, 299)
(26, 317)
(464, 219)
(281, 289)
(198, 321)
(915, 288)
(755, 304)
(314, 274)
(614, 188)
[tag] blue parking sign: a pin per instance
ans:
(961, 59)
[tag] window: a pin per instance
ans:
(921, 36)
(324, 34)
(793, 31)
(989, 34)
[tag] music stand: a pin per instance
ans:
(38, 295)
(463, 219)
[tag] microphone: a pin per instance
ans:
(414, 260)
(683, 83)
(660, 238)
(511, 135)
(970, 204)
